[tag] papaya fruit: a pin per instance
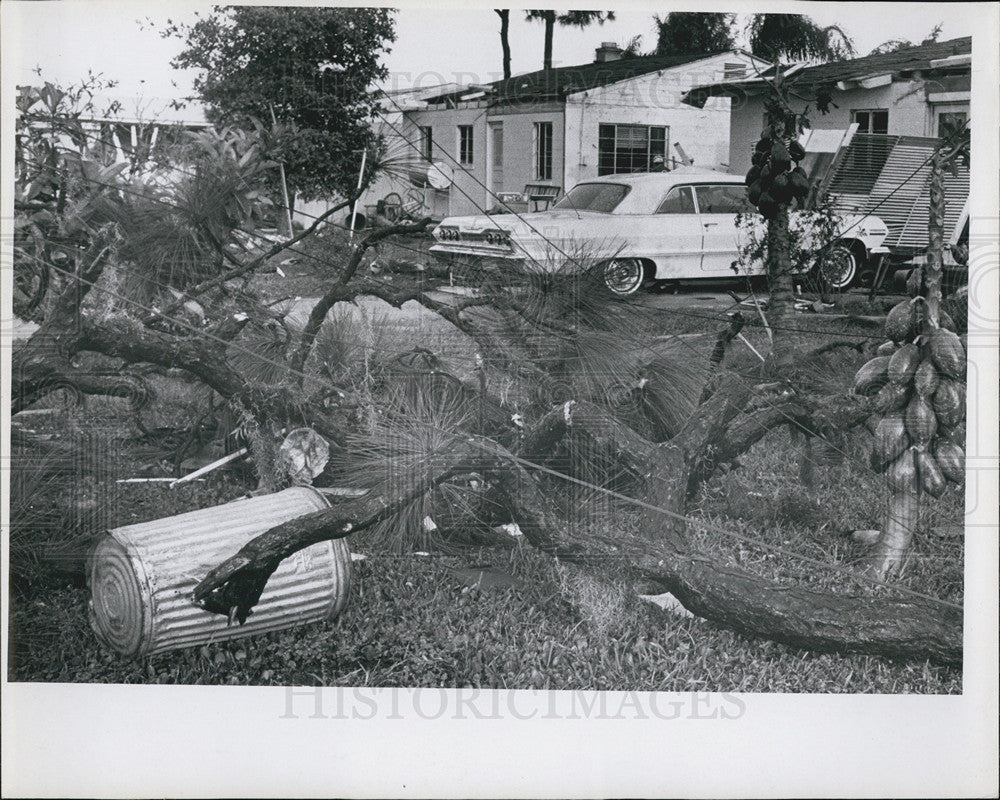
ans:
(886, 348)
(799, 183)
(891, 397)
(921, 422)
(948, 401)
(901, 321)
(779, 156)
(947, 353)
(796, 151)
(931, 479)
(890, 438)
(925, 379)
(872, 376)
(950, 460)
(903, 364)
(902, 473)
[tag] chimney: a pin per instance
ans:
(608, 51)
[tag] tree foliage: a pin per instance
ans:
(578, 19)
(170, 211)
(311, 67)
(682, 32)
(791, 37)
(892, 45)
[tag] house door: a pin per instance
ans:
(496, 157)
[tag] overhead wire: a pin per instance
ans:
(708, 372)
(703, 524)
(679, 338)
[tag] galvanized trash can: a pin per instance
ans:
(141, 576)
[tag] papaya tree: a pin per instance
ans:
(920, 439)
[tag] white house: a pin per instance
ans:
(909, 92)
(553, 128)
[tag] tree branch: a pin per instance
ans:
(340, 292)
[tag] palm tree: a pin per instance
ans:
(580, 19)
(504, 14)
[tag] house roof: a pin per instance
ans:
(934, 57)
(558, 82)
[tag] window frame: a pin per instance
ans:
(466, 150)
(949, 113)
(543, 136)
(698, 188)
(679, 189)
(427, 142)
(663, 136)
(871, 112)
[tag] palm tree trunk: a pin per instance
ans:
(504, 14)
(550, 24)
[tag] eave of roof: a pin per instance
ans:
(866, 72)
(561, 81)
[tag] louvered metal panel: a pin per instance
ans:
(889, 177)
(956, 191)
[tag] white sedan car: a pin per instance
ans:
(665, 226)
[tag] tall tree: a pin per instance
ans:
(504, 14)
(682, 32)
(791, 37)
(579, 19)
(311, 68)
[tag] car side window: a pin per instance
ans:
(679, 200)
(725, 199)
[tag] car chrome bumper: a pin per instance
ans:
(476, 250)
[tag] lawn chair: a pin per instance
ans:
(541, 193)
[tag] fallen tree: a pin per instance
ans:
(663, 416)
(902, 628)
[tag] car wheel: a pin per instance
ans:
(624, 276)
(839, 267)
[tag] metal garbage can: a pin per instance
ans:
(141, 576)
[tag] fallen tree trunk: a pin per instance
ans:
(742, 601)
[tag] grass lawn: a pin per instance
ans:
(529, 622)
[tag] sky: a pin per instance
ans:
(446, 41)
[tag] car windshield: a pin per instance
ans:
(602, 197)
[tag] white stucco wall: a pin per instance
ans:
(468, 193)
(909, 115)
(653, 99)
(518, 142)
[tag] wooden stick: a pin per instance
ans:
(209, 467)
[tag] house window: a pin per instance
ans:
(629, 148)
(951, 121)
(427, 142)
(871, 120)
(543, 151)
(465, 144)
